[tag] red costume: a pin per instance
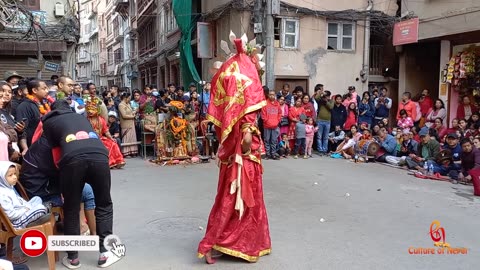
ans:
(238, 224)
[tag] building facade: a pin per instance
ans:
(54, 33)
(314, 42)
(447, 32)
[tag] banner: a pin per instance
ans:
(405, 32)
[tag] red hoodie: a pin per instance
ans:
(271, 114)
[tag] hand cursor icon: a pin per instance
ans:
(118, 249)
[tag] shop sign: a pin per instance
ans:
(405, 32)
(50, 66)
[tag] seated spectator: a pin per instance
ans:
(388, 145)
(347, 147)
(441, 129)
(335, 138)
(462, 127)
(427, 151)
(415, 137)
(452, 144)
(407, 147)
(405, 121)
(363, 126)
(470, 160)
(445, 166)
(356, 135)
(476, 142)
(20, 212)
(284, 146)
(375, 130)
(114, 127)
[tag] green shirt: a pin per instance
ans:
(324, 110)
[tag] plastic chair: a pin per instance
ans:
(21, 190)
(8, 232)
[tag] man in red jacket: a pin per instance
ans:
(408, 105)
(271, 115)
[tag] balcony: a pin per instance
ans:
(121, 6)
(93, 33)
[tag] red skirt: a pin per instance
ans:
(115, 156)
(247, 238)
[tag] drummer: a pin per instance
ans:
(388, 145)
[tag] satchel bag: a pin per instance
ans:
(284, 121)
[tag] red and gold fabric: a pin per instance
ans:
(238, 222)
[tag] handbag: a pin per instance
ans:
(284, 121)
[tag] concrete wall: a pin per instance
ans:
(49, 7)
(387, 6)
(319, 65)
(442, 17)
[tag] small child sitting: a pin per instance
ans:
(284, 146)
(20, 212)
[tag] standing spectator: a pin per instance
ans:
(310, 130)
(339, 113)
(204, 99)
(308, 106)
(284, 122)
(366, 109)
(300, 137)
(324, 116)
(127, 125)
(82, 159)
(425, 102)
(318, 88)
(353, 92)
(271, 115)
(115, 96)
(147, 102)
(352, 116)
(383, 104)
(408, 105)
(192, 87)
(285, 92)
(92, 89)
(438, 111)
(465, 109)
(33, 107)
(134, 103)
(12, 78)
(294, 114)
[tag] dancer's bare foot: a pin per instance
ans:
(209, 259)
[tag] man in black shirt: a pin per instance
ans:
(29, 109)
(83, 157)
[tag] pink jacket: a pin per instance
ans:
(310, 130)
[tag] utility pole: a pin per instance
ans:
(39, 55)
(269, 39)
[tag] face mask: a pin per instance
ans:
(394, 133)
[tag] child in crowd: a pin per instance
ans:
(335, 138)
(300, 137)
(284, 146)
(19, 211)
(310, 130)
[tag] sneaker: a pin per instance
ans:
(107, 258)
(295, 157)
(71, 264)
(305, 157)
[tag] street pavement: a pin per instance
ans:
(160, 214)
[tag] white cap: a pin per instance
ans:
(112, 113)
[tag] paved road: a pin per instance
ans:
(160, 213)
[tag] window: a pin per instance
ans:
(31, 4)
(118, 54)
(171, 23)
(109, 28)
(110, 56)
(341, 36)
(286, 32)
(83, 52)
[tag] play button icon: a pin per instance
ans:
(33, 243)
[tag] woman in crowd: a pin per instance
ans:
(352, 116)
(438, 111)
(308, 107)
(366, 109)
(465, 109)
(440, 128)
(294, 116)
(17, 144)
(134, 102)
(100, 126)
(284, 122)
(405, 121)
(127, 125)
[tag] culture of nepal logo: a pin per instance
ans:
(438, 235)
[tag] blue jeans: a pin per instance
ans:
(88, 199)
(270, 139)
(452, 170)
(322, 135)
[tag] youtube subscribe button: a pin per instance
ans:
(73, 243)
(33, 243)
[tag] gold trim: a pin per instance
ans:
(241, 255)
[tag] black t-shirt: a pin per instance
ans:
(38, 174)
(75, 136)
(114, 128)
(29, 110)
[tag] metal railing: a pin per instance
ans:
(376, 59)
